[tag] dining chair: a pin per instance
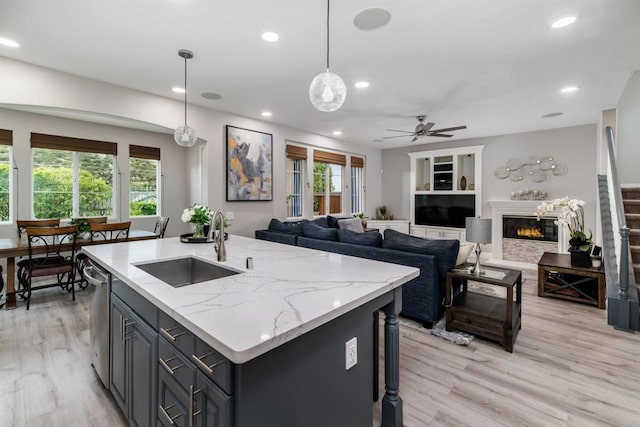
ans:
(51, 253)
(102, 232)
(161, 226)
(22, 225)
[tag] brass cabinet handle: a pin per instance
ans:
(169, 418)
(165, 333)
(165, 365)
(122, 328)
(192, 401)
(126, 323)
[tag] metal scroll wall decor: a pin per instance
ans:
(537, 169)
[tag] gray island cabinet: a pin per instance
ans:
(272, 345)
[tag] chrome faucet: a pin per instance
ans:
(219, 244)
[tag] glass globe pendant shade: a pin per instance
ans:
(327, 91)
(185, 136)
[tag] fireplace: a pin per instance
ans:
(529, 228)
(511, 215)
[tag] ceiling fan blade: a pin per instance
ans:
(428, 126)
(397, 136)
(396, 130)
(415, 138)
(440, 134)
(448, 129)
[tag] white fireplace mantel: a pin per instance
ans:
(500, 208)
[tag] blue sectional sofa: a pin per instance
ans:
(422, 297)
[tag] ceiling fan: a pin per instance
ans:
(424, 129)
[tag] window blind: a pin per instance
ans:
(357, 162)
(53, 142)
(6, 137)
(140, 152)
(295, 152)
(326, 157)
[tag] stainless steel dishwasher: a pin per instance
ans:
(99, 319)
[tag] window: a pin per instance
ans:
(357, 184)
(6, 140)
(296, 160)
(327, 182)
(72, 177)
(144, 173)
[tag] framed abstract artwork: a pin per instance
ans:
(249, 165)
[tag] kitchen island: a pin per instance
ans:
(282, 330)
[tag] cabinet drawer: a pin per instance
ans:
(214, 365)
(137, 302)
(176, 334)
(175, 365)
(173, 402)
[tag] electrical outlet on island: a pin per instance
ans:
(351, 353)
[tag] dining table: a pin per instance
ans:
(13, 247)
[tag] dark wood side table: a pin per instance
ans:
(495, 318)
(558, 278)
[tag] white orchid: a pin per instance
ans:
(571, 213)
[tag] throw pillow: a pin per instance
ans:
(332, 221)
(314, 231)
(286, 227)
(445, 251)
(365, 239)
(353, 224)
(464, 252)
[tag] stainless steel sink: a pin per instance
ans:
(185, 271)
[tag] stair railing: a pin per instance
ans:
(623, 307)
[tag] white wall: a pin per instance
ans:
(26, 84)
(173, 162)
(574, 146)
(628, 132)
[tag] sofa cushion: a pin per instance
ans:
(353, 224)
(332, 221)
(317, 232)
(365, 239)
(286, 227)
(464, 252)
(445, 251)
(322, 222)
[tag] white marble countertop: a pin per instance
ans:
(289, 291)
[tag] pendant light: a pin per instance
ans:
(327, 91)
(185, 136)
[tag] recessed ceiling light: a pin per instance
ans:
(8, 43)
(178, 89)
(211, 95)
(371, 19)
(549, 115)
(266, 114)
(362, 84)
(569, 89)
(270, 36)
(337, 132)
(564, 21)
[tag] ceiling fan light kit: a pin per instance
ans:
(185, 136)
(327, 91)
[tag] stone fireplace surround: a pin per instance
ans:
(500, 208)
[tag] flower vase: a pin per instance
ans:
(580, 258)
(198, 230)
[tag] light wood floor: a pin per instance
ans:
(568, 368)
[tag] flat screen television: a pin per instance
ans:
(444, 210)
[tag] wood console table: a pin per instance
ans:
(558, 278)
(10, 248)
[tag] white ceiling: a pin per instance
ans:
(493, 65)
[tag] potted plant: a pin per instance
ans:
(382, 212)
(363, 219)
(571, 213)
(197, 215)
